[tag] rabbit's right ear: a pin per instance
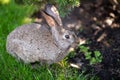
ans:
(50, 21)
(53, 12)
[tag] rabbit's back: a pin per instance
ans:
(33, 42)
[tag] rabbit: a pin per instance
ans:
(41, 42)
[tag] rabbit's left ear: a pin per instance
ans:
(50, 21)
(52, 11)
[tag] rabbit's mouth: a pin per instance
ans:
(75, 44)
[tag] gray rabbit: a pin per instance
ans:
(46, 43)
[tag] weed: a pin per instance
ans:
(93, 57)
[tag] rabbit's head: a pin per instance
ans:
(63, 38)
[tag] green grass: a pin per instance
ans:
(11, 16)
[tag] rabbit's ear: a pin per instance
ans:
(50, 21)
(52, 11)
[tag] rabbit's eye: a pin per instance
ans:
(67, 36)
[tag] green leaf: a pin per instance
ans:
(88, 57)
(92, 61)
(97, 53)
(84, 49)
(88, 54)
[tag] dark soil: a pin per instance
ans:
(103, 36)
(99, 23)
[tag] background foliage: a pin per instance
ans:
(64, 6)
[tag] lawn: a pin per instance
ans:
(13, 15)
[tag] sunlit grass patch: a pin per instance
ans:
(4, 1)
(12, 15)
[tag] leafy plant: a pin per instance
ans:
(64, 6)
(93, 57)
